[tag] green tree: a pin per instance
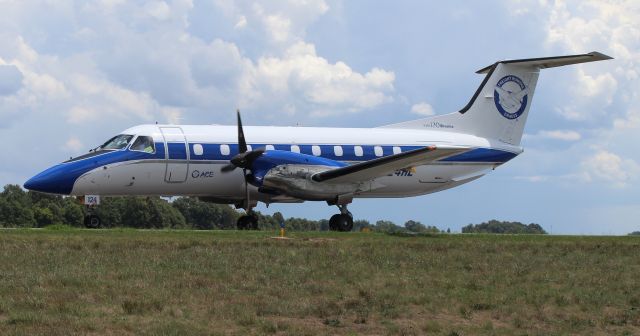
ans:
(73, 211)
(205, 215)
(415, 226)
(494, 226)
(360, 224)
(15, 208)
(387, 226)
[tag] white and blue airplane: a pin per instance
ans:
(297, 164)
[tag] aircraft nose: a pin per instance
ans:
(42, 183)
(52, 180)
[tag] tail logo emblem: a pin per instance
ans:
(510, 96)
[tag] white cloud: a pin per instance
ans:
(533, 178)
(278, 27)
(564, 135)
(172, 115)
(242, 22)
(73, 144)
(326, 88)
(158, 9)
(422, 109)
(611, 168)
(602, 95)
(282, 23)
(80, 114)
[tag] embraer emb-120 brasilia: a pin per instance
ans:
(246, 165)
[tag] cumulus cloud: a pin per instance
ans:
(603, 95)
(610, 168)
(422, 109)
(280, 23)
(575, 26)
(301, 74)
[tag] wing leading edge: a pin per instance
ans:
(371, 169)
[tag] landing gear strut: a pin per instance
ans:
(342, 221)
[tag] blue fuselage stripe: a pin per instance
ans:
(212, 152)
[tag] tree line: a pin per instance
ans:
(20, 208)
(494, 226)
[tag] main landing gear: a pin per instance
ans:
(342, 221)
(248, 221)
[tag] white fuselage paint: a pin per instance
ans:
(196, 177)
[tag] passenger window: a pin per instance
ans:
(143, 144)
(377, 150)
(197, 149)
(224, 149)
(358, 150)
(397, 150)
(270, 147)
(337, 150)
(316, 150)
(295, 149)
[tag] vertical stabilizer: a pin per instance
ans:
(500, 106)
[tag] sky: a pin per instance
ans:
(73, 74)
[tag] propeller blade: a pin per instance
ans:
(242, 143)
(253, 155)
(228, 168)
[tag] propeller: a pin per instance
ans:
(244, 159)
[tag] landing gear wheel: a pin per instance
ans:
(92, 222)
(333, 222)
(341, 222)
(247, 222)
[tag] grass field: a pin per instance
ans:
(119, 282)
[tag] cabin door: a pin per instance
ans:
(176, 154)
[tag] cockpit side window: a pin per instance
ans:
(117, 142)
(143, 143)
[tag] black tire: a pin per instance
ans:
(252, 222)
(241, 224)
(333, 222)
(345, 224)
(92, 222)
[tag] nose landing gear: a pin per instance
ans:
(92, 221)
(342, 221)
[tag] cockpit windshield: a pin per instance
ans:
(117, 142)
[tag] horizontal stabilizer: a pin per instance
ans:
(551, 62)
(371, 169)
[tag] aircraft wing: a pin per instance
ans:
(371, 169)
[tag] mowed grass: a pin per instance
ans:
(119, 282)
